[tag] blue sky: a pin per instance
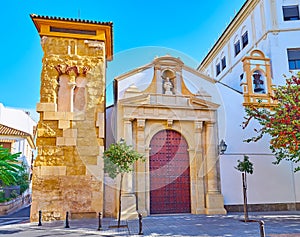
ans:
(141, 30)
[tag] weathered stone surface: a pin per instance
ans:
(68, 141)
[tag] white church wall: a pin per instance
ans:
(270, 183)
(135, 79)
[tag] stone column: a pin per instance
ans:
(128, 210)
(128, 131)
(214, 198)
(197, 176)
(127, 180)
(140, 174)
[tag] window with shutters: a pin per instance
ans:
(237, 48)
(245, 39)
(290, 13)
(294, 58)
(218, 69)
(223, 62)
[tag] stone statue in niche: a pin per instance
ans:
(258, 83)
(168, 86)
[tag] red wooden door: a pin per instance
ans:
(169, 174)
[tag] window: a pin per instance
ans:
(223, 62)
(218, 69)
(6, 145)
(237, 48)
(290, 13)
(294, 58)
(245, 39)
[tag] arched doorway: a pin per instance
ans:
(169, 173)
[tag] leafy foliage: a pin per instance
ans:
(9, 166)
(22, 179)
(245, 166)
(119, 158)
(282, 123)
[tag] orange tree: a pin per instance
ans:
(119, 159)
(282, 122)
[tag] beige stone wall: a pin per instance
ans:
(68, 171)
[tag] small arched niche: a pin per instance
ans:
(168, 81)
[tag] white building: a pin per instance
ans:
(17, 132)
(261, 43)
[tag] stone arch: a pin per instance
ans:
(159, 127)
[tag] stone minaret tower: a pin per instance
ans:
(68, 170)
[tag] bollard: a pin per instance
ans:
(99, 222)
(262, 229)
(40, 218)
(67, 220)
(140, 224)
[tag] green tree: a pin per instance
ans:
(22, 179)
(282, 122)
(9, 166)
(245, 167)
(119, 159)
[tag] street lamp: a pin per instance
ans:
(222, 147)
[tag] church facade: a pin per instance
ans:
(163, 110)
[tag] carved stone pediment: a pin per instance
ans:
(136, 100)
(196, 102)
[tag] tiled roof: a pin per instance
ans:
(71, 20)
(5, 130)
(8, 131)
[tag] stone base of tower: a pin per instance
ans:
(56, 195)
(215, 204)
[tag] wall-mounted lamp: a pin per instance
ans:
(222, 147)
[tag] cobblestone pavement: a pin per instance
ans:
(276, 225)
